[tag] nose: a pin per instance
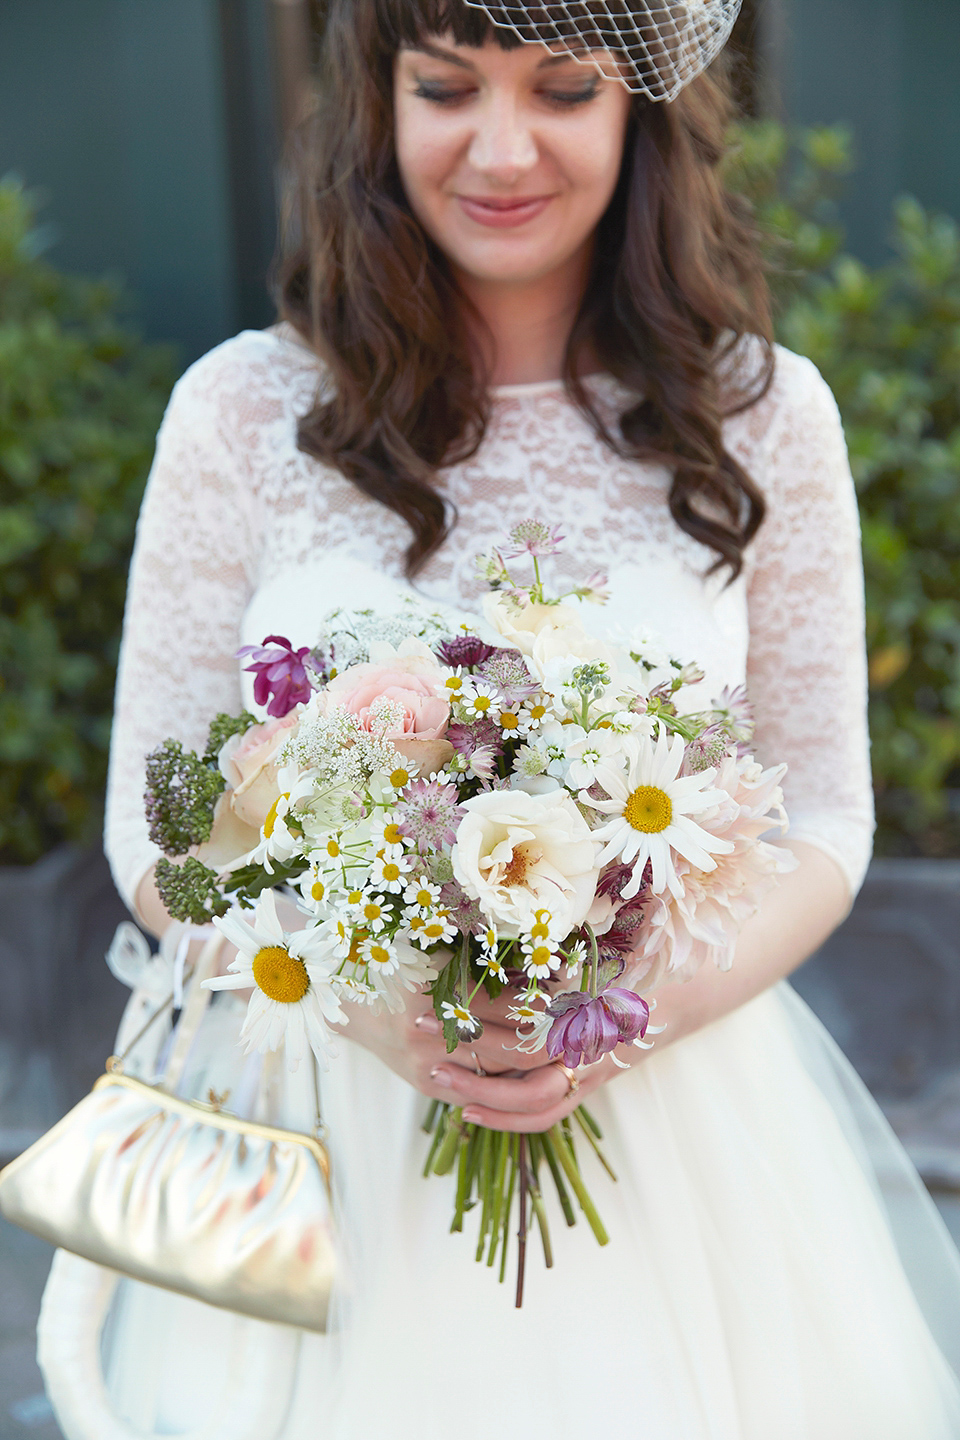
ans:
(502, 147)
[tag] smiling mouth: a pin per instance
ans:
(503, 213)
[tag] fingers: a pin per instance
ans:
(531, 1094)
(496, 1048)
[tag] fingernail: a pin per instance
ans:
(472, 1117)
(442, 1077)
(428, 1023)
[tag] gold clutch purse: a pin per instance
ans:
(184, 1195)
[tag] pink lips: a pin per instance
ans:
(504, 214)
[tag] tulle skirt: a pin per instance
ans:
(775, 1271)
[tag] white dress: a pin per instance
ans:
(752, 1288)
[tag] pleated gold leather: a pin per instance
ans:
(183, 1195)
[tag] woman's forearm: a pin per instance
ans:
(793, 921)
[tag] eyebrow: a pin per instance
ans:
(438, 52)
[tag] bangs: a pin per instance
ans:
(409, 22)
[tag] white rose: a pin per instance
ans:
(517, 853)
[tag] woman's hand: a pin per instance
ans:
(518, 1092)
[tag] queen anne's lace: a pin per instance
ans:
(233, 507)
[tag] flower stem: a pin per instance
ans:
(522, 1226)
(438, 1135)
(509, 1206)
(447, 1152)
(486, 1188)
(577, 1185)
(596, 1148)
(428, 1124)
(562, 1194)
(499, 1183)
(536, 1200)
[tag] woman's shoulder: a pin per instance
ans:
(793, 429)
(257, 374)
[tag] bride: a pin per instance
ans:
(517, 289)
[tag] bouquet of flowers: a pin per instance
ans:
(510, 805)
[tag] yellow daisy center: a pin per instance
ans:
(454, 682)
(398, 778)
(540, 955)
(379, 954)
(540, 932)
(318, 889)
(391, 871)
(537, 712)
(424, 897)
(354, 897)
(372, 911)
(333, 849)
(509, 721)
(481, 703)
(434, 930)
(649, 809)
(272, 815)
(280, 975)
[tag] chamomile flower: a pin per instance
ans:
(317, 885)
(293, 998)
(468, 1026)
(379, 954)
(479, 699)
(368, 909)
(422, 895)
(533, 713)
(453, 684)
(575, 957)
(281, 832)
(349, 987)
(535, 1023)
(650, 807)
(509, 722)
(389, 870)
(437, 929)
(540, 959)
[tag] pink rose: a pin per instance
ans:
(412, 681)
(247, 765)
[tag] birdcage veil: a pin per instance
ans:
(659, 46)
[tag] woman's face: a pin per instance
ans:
(508, 158)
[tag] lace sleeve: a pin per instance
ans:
(190, 579)
(806, 667)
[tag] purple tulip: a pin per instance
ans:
(584, 1027)
(281, 676)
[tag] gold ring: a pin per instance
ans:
(479, 1068)
(573, 1082)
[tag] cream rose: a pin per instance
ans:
(411, 677)
(544, 633)
(517, 853)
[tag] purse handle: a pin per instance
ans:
(198, 999)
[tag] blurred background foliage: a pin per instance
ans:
(887, 341)
(81, 398)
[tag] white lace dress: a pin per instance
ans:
(752, 1288)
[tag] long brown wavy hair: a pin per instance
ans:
(676, 284)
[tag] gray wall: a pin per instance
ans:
(891, 69)
(148, 125)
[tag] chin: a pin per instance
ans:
(503, 263)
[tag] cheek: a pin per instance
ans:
(426, 154)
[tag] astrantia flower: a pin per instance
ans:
(464, 650)
(281, 676)
(429, 814)
(534, 538)
(650, 805)
(292, 995)
(508, 672)
(585, 1028)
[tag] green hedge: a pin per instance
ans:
(80, 401)
(81, 398)
(888, 343)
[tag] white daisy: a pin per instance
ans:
(389, 869)
(467, 1024)
(292, 995)
(421, 895)
(479, 699)
(540, 959)
(538, 1021)
(650, 806)
(369, 909)
(437, 929)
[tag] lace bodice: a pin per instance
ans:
(241, 535)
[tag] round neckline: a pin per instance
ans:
(287, 334)
(532, 388)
